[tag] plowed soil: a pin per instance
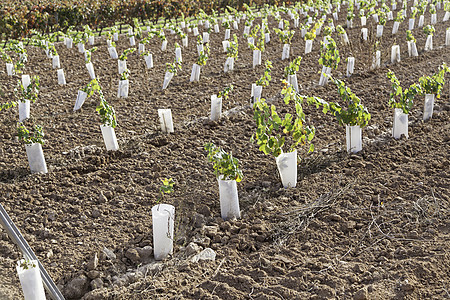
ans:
(371, 225)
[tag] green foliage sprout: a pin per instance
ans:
(428, 30)
(29, 93)
(126, 52)
(266, 77)
(204, 55)
(224, 93)
(106, 112)
(293, 66)
(435, 83)
(173, 67)
(409, 36)
(224, 164)
(89, 54)
(402, 98)
(36, 135)
(355, 114)
(275, 135)
(329, 55)
(165, 188)
(232, 50)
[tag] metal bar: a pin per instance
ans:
(28, 253)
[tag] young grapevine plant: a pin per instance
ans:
(35, 135)
(402, 98)
(434, 84)
(293, 66)
(276, 135)
(224, 164)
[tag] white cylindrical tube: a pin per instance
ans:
(163, 216)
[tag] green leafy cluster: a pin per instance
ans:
(29, 93)
(293, 66)
(88, 30)
(402, 98)
(329, 54)
(165, 188)
(285, 35)
(435, 83)
(5, 57)
(409, 36)
(125, 74)
(232, 50)
(428, 29)
(91, 87)
(106, 112)
(161, 35)
(36, 135)
(137, 28)
(340, 29)
(224, 164)
(125, 53)
(224, 93)
(80, 37)
(276, 135)
(355, 114)
(266, 77)
(173, 67)
(8, 105)
(422, 7)
(226, 24)
(89, 54)
(432, 9)
(400, 17)
(203, 57)
(381, 17)
(258, 43)
(180, 33)
(199, 39)
(17, 48)
(26, 264)
(413, 13)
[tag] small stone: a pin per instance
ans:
(145, 253)
(407, 287)
(266, 184)
(93, 262)
(96, 283)
(120, 189)
(96, 213)
(93, 274)
(203, 241)
(102, 198)
(151, 268)
(225, 226)
(121, 280)
(335, 218)
(210, 231)
(51, 216)
(348, 226)
(77, 287)
(204, 210)
(109, 253)
(361, 294)
(207, 254)
(326, 292)
(133, 255)
(199, 220)
(49, 253)
(192, 249)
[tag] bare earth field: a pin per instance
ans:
(372, 225)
